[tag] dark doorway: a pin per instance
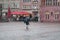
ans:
(35, 16)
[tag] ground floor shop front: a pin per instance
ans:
(17, 16)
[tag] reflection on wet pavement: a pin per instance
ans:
(16, 31)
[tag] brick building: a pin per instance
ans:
(50, 11)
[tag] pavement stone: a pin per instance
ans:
(37, 31)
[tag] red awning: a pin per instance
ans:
(20, 13)
(9, 12)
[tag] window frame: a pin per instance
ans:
(26, 0)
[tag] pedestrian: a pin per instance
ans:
(26, 21)
(24, 17)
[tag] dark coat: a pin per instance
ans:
(26, 20)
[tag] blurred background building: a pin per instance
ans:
(20, 5)
(32, 6)
(50, 11)
(46, 10)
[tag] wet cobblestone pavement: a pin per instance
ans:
(37, 31)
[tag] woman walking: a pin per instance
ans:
(26, 21)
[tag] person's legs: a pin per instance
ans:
(27, 27)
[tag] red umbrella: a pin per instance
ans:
(9, 12)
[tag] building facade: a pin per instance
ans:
(31, 6)
(13, 4)
(50, 11)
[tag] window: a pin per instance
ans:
(58, 2)
(14, 4)
(6, 0)
(35, 7)
(26, 7)
(26, 0)
(12, 0)
(1, 0)
(54, 2)
(5, 5)
(47, 16)
(56, 16)
(34, 0)
(48, 2)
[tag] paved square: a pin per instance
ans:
(37, 31)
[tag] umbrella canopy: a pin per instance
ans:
(9, 12)
(21, 13)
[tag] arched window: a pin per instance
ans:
(47, 15)
(56, 15)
